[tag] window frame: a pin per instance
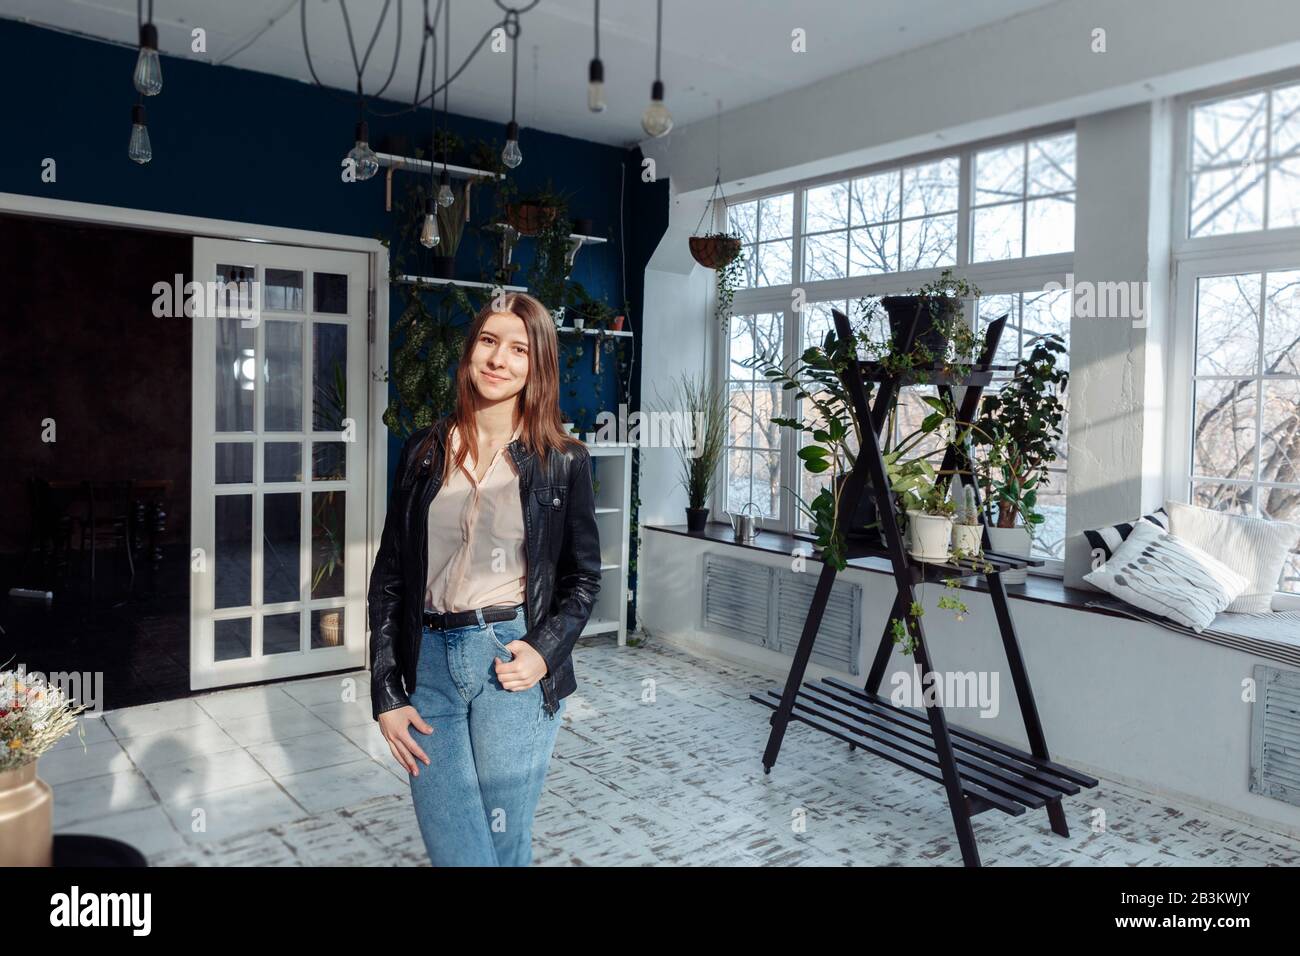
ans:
(1194, 258)
(993, 277)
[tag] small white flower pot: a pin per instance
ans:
(578, 322)
(1011, 541)
(930, 536)
(967, 538)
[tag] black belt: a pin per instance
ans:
(446, 620)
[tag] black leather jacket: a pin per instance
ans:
(562, 560)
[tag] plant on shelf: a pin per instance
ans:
(550, 266)
(944, 343)
(929, 513)
(1019, 433)
(702, 411)
(426, 344)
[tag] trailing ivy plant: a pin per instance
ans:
(729, 279)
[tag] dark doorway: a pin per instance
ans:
(95, 488)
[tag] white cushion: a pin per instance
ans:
(1159, 572)
(1253, 547)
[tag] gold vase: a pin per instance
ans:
(26, 816)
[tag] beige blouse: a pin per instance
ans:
(476, 535)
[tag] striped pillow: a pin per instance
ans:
(1107, 540)
(1158, 572)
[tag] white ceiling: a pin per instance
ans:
(738, 51)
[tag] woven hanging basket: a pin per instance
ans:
(715, 252)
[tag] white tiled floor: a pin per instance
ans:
(296, 774)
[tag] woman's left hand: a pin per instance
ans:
(526, 668)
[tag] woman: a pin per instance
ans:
(486, 573)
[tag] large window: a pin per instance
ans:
(1244, 163)
(1001, 214)
(753, 455)
(1235, 444)
(1023, 202)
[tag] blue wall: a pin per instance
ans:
(232, 144)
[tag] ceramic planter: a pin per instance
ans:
(26, 818)
(902, 308)
(583, 227)
(967, 538)
(715, 252)
(618, 323)
(930, 536)
(443, 267)
(855, 528)
(1011, 541)
(696, 518)
(331, 628)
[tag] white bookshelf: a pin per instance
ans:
(611, 472)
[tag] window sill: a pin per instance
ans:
(1038, 589)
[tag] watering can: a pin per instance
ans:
(745, 527)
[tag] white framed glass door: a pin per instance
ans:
(279, 483)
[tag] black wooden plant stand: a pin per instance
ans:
(977, 772)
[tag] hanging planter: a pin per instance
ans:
(721, 252)
(530, 217)
(715, 251)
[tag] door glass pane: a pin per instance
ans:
(232, 564)
(283, 377)
(236, 297)
(327, 531)
(327, 627)
(283, 461)
(236, 376)
(331, 292)
(232, 640)
(283, 290)
(280, 633)
(281, 541)
(329, 376)
(329, 460)
(234, 462)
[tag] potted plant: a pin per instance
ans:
(1019, 429)
(583, 227)
(703, 411)
(930, 518)
(535, 211)
(34, 716)
(967, 532)
(451, 229)
(944, 342)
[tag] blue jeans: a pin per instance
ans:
(488, 751)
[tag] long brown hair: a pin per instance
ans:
(543, 429)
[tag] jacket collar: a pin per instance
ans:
(518, 452)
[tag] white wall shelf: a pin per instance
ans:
(611, 470)
(468, 283)
(413, 165)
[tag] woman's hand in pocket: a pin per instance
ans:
(395, 725)
(525, 668)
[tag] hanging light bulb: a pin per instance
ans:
(364, 160)
(596, 71)
(429, 231)
(511, 155)
(148, 66)
(445, 195)
(596, 87)
(656, 120)
(139, 149)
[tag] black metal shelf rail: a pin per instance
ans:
(978, 773)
